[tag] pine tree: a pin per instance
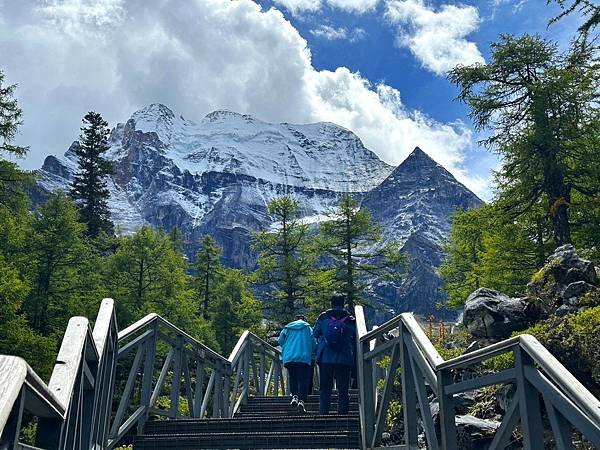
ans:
(56, 249)
(540, 107)
(209, 272)
(13, 180)
(89, 187)
(147, 275)
(589, 11)
(235, 309)
(354, 242)
(488, 249)
(283, 262)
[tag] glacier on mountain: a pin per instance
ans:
(216, 175)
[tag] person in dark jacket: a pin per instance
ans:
(335, 332)
(297, 344)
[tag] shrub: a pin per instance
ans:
(573, 340)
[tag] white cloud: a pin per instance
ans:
(332, 34)
(437, 38)
(197, 56)
(354, 6)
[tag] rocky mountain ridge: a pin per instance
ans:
(216, 176)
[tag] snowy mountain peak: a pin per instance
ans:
(221, 115)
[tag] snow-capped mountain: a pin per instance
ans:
(216, 176)
(414, 205)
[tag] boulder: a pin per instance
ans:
(563, 280)
(474, 433)
(493, 316)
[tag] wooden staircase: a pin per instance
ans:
(262, 423)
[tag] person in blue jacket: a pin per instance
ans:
(297, 343)
(335, 332)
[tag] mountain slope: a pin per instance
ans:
(216, 176)
(414, 205)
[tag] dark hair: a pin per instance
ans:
(300, 317)
(338, 300)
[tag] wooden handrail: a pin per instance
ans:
(422, 365)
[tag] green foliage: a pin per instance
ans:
(573, 340)
(56, 252)
(89, 186)
(17, 337)
(284, 261)
(235, 310)
(164, 402)
(488, 249)
(352, 240)
(209, 272)
(587, 9)
(13, 181)
(540, 106)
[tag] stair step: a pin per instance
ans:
(248, 440)
(276, 411)
(332, 423)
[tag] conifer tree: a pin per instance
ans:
(56, 249)
(89, 187)
(354, 242)
(284, 263)
(209, 272)
(541, 109)
(234, 309)
(12, 179)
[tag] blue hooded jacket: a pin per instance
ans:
(326, 354)
(297, 342)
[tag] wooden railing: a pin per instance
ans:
(539, 378)
(144, 371)
(74, 408)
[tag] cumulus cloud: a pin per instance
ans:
(342, 33)
(436, 37)
(196, 56)
(354, 6)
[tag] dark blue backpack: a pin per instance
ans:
(334, 335)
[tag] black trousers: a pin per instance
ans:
(299, 379)
(341, 374)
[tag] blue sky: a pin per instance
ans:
(375, 54)
(375, 67)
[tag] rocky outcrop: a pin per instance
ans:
(493, 316)
(566, 283)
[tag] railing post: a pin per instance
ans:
(218, 391)
(226, 391)
(529, 402)
(276, 376)
(147, 377)
(246, 378)
(176, 383)
(447, 416)
(261, 375)
(10, 434)
(409, 395)
(367, 393)
(199, 390)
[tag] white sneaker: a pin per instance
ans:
(301, 407)
(294, 401)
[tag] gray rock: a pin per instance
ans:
(567, 267)
(577, 289)
(494, 316)
(563, 310)
(474, 433)
(563, 280)
(504, 396)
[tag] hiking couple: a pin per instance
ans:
(331, 344)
